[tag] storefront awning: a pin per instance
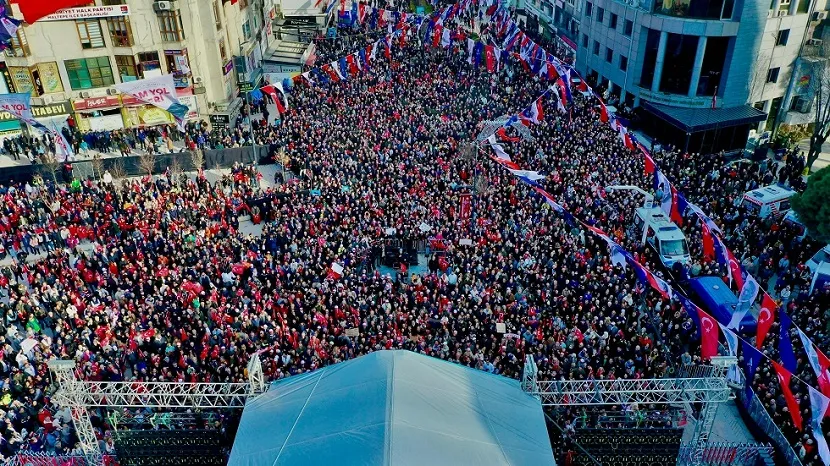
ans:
(692, 120)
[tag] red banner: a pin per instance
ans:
(466, 206)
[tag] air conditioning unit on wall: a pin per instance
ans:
(164, 6)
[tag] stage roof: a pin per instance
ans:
(393, 408)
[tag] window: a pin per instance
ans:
(596, 48)
(89, 31)
(711, 70)
(703, 9)
(628, 28)
(623, 63)
(19, 46)
(246, 30)
(127, 68)
(609, 54)
(772, 75)
(223, 52)
(760, 105)
(170, 25)
(613, 23)
(148, 61)
(678, 63)
(217, 17)
(600, 14)
(120, 32)
(783, 37)
(801, 104)
(652, 38)
(87, 73)
(585, 40)
(589, 8)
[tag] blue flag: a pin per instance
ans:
(752, 357)
(478, 51)
(785, 344)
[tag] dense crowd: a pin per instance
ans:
(152, 280)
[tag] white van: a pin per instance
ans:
(662, 235)
(770, 200)
(814, 262)
(791, 219)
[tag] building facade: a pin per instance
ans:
(71, 60)
(696, 63)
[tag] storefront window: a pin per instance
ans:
(703, 9)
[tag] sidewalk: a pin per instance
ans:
(9, 161)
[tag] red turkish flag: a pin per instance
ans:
(784, 377)
(709, 334)
(766, 316)
(33, 10)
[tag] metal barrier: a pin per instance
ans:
(717, 454)
(50, 459)
(132, 165)
(762, 419)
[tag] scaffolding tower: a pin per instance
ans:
(703, 385)
(80, 395)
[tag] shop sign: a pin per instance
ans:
(96, 102)
(219, 121)
(7, 77)
(69, 14)
(227, 68)
(46, 111)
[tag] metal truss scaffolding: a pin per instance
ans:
(627, 391)
(79, 395)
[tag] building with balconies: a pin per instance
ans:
(70, 61)
(705, 72)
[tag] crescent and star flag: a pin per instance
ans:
(603, 112)
(709, 333)
(784, 377)
(766, 316)
(33, 10)
(271, 90)
(490, 58)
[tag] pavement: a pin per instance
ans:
(824, 156)
(9, 161)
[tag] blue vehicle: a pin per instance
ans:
(715, 297)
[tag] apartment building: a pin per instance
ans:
(706, 72)
(71, 60)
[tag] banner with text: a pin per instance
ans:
(160, 92)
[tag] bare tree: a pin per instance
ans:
(820, 84)
(197, 157)
(118, 171)
(147, 162)
(51, 163)
(97, 165)
(175, 171)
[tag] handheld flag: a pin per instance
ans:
(784, 377)
(766, 316)
(709, 334)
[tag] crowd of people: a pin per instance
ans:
(152, 279)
